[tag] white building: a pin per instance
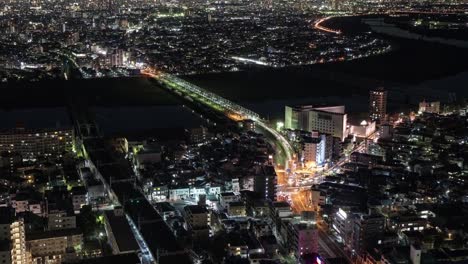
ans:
(342, 225)
(363, 130)
(327, 120)
(314, 149)
(429, 107)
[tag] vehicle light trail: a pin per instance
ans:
(247, 60)
(230, 109)
(317, 25)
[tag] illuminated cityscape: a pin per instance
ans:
(233, 131)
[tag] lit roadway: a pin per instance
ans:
(299, 195)
(318, 25)
(145, 254)
(230, 109)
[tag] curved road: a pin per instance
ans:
(230, 109)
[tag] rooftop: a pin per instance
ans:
(121, 231)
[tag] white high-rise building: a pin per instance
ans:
(12, 235)
(326, 120)
(19, 254)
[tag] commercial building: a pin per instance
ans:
(314, 149)
(378, 104)
(32, 142)
(363, 129)
(327, 119)
(429, 107)
(410, 222)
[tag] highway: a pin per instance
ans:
(299, 195)
(230, 109)
(318, 25)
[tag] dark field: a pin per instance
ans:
(91, 92)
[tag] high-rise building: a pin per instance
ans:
(18, 254)
(342, 224)
(325, 119)
(378, 104)
(367, 230)
(31, 142)
(12, 238)
(303, 238)
(264, 182)
(314, 149)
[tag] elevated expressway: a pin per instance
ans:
(230, 109)
(239, 113)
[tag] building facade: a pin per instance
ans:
(314, 150)
(54, 246)
(303, 239)
(429, 107)
(32, 142)
(378, 104)
(367, 230)
(327, 120)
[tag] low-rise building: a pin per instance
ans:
(79, 197)
(236, 209)
(55, 245)
(60, 218)
(226, 198)
(197, 219)
(119, 233)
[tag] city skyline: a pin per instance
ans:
(231, 132)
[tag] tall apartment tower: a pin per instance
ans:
(12, 238)
(378, 104)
